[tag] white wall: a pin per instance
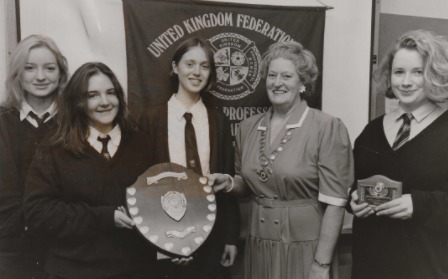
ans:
(346, 68)
(85, 30)
(428, 8)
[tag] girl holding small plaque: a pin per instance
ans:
(406, 238)
(76, 185)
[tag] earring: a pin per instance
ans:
(302, 89)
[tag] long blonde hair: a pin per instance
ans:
(14, 91)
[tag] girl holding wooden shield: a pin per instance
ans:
(76, 186)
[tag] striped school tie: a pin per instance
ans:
(403, 132)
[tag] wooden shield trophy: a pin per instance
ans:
(173, 207)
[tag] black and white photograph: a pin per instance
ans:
(223, 139)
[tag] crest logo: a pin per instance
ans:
(379, 190)
(174, 204)
(237, 62)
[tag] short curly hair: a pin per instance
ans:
(303, 60)
(434, 51)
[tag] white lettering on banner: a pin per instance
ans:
(241, 113)
(260, 26)
(166, 39)
(210, 20)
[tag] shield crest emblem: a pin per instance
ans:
(174, 204)
(173, 208)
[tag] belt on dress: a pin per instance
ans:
(280, 203)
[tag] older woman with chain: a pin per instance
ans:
(297, 164)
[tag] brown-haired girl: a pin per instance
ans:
(76, 188)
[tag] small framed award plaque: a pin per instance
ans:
(378, 189)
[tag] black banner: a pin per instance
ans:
(239, 34)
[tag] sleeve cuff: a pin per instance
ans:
(332, 200)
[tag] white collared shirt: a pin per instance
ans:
(422, 118)
(25, 109)
(112, 145)
(176, 132)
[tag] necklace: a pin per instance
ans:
(267, 162)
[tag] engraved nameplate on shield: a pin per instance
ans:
(378, 189)
(173, 207)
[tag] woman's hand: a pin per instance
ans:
(229, 255)
(319, 272)
(182, 261)
(122, 220)
(401, 208)
(219, 181)
(360, 210)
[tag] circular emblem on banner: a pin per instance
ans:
(237, 62)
